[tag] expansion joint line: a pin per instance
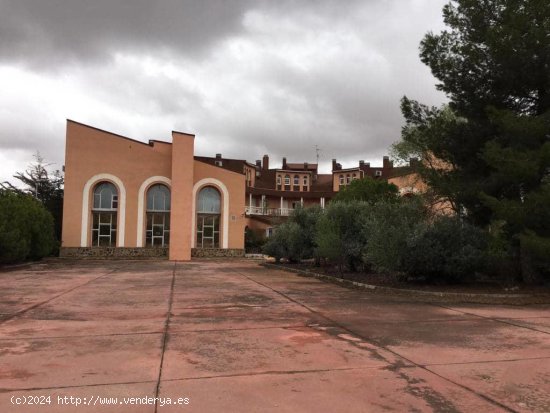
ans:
(497, 320)
(165, 333)
(32, 307)
(377, 344)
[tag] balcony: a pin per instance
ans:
(270, 212)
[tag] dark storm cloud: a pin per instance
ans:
(247, 76)
(50, 31)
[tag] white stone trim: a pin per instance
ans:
(141, 203)
(86, 208)
(225, 213)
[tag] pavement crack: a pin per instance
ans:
(379, 345)
(165, 333)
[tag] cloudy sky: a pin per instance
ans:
(248, 77)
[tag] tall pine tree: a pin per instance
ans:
(493, 138)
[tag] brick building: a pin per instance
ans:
(128, 198)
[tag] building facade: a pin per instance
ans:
(128, 198)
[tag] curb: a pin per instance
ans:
(434, 296)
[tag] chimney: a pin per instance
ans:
(258, 164)
(306, 165)
(334, 164)
(265, 162)
(387, 164)
(367, 165)
(284, 163)
(361, 163)
(218, 156)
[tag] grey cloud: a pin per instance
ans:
(247, 77)
(50, 32)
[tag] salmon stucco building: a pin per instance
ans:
(132, 199)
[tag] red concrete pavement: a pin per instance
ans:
(232, 336)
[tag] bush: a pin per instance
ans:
(339, 236)
(535, 258)
(446, 250)
(295, 239)
(284, 243)
(26, 228)
(253, 241)
(388, 227)
(369, 190)
(303, 241)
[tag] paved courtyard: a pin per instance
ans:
(231, 336)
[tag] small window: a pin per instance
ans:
(341, 179)
(287, 179)
(278, 179)
(378, 173)
(296, 180)
(354, 177)
(219, 163)
(269, 232)
(305, 180)
(348, 178)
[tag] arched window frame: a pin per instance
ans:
(208, 218)
(104, 212)
(157, 232)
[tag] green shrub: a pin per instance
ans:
(303, 241)
(535, 258)
(295, 239)
(388, 227)
(339, 236)
(26, 228)
(253, 240)
(283, 241)
(369, 190)
(445, 250)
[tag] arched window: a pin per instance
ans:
(348, 178)
(104, 215)
(296, 180)
(305, 180)
(341, 179)
(157, 233)
(208, 218)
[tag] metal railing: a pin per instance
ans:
(273, 212)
